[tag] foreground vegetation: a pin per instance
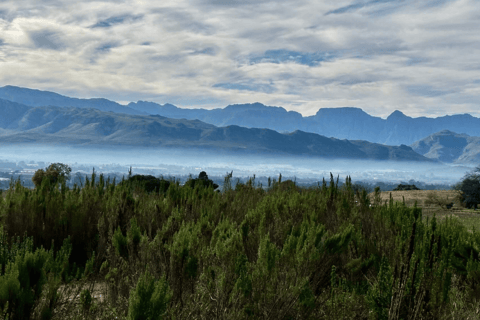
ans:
(113, 251)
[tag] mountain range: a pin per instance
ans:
(341, 123)
(87, 126)
(450, 147)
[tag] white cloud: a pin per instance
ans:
(418, 57)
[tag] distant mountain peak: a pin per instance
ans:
(445, 132)
(448, 146)
(339, 111)
(396, 115)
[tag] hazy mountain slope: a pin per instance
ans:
(38, 98)
(342, 123)
(345, 123)
(255, 115)
(11, 112)
(450, 147)
(90, 126)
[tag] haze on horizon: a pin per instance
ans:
(176, 161)
(420, 57)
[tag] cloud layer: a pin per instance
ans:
(420, 57)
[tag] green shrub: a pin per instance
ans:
(380, 294)
(282, 253)
(86, 299)
(22, 284)
(149, 299)
(120, 243)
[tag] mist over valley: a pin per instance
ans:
(38, 127)
(24, 159)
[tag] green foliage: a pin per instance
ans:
(147, 183)
(9, 290)
(470, 188)
(25, 277)
(133, 233)
(281, 253)
(307, 298)
(202, 181)
(86, 299)
(150, 298)
(120, 243)
(380, 293)
(56, 172)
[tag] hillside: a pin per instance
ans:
(341, 123)
(38, 98)
(53, 125)
(450, 147)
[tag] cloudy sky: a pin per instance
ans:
(418, 56)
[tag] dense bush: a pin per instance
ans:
(281, 252)
(406, 187)
(24, 275)
(147, 183)
(202, 180)
(470, 188)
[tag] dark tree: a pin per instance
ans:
(470, 188)
(148, 182)
(56, 172)
(202, 180)
(406, 187)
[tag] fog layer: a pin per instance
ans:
(181, 162)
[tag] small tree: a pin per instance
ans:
(470, 188)
(202, 180)
(147, 182)
(56, 172)
(149, 300)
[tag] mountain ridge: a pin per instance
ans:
(60, 125)
(342, 123)
(39, 98)
(449, 147)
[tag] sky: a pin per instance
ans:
(421, 57)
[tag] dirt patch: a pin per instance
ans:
(71, 292)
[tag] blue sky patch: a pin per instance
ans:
(358, 5)
(107, 23)
(283, 56)
(106, 47)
